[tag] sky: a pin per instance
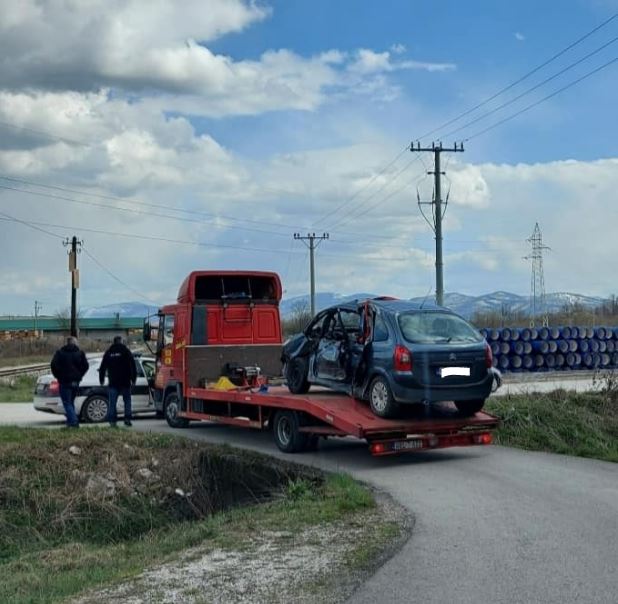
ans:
(172, 140)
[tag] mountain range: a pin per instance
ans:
(463, 304)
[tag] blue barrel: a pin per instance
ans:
(615, 333)
(554, 333)
(503, 362)
(590, 332)
(527, 347)
(565, 333)
(515, 361)
(505, 347)
(539, 361)
(574, 332)
(570, 360)
(543, 333)
(553, 346)
(505, 334)
(495, 348)
(599, 333)
(615, 359)
(594, 345)
(550, 361)
(493, 335)
(563, 346)
(606, 360)
(583, 346)
(596, 359)
(578, 359)
(572, 345)
(587, 360)
(609, 333)
(534, 333)
(559, 361)
(525, 334)
(611, 346)
(494, 361)
(517, 348)
(541, 346)
(515, 335)
(527, 362)
(602, 346)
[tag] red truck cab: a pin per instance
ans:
(219, 318)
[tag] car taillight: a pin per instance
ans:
(488, 356)
(402, 359)
(53, 389)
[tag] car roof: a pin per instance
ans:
(393, 305)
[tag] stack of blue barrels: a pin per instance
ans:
(553, 348)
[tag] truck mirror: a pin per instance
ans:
(146, 332)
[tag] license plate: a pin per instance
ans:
(448, 371)
(402, 445)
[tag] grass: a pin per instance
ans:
(580, 424)
(56, 540)
(18, 389)
(25, 360)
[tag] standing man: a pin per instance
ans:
(69, 366)
(119, 364)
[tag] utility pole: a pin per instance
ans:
(537, 277)
(37, 308)
(438, 213)
(75, 249)
(311, 238)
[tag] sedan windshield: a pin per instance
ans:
(436, 328)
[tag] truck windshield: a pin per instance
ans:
(436, 328)
(165, 333)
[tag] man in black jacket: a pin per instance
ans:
(69, 366)
(119, 364)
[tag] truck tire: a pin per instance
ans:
(94, 409)
(381, 398)
(171, 408)
(285, 431)
(296, 375)
(469, 407)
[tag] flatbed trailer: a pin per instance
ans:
(298, 421)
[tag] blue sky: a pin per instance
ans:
(280, 116)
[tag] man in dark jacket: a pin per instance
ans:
(119, 364)
(69, 366)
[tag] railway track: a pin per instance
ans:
(23, 370)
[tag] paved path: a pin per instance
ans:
(492, 524)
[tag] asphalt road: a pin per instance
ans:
(492, 524)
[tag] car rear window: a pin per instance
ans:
(436, 328)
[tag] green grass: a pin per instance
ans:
(55, 541)
(580, 424)
(18, 390)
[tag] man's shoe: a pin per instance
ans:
(127, 422)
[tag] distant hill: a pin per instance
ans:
(461, 303)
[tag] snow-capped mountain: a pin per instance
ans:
(121, 309)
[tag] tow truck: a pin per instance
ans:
(218, 351)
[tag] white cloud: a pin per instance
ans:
(519, 36)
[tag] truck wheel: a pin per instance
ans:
(171, 409)
(381, 398)
(95, 408)
(296, 376)
(285, 430)
(469, 407)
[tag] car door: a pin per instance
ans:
(334, 349)
(140, 397)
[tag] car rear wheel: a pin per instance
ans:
(381, 398)
(95, 408)
(296, 375)
(171, 409)
(285, 431)
(469, 407)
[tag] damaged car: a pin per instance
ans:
(391, 353)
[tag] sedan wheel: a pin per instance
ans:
(94, 410)
(381, 398)
(296, 375)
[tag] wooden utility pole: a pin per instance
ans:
(311, 238)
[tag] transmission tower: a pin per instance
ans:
(538, 309)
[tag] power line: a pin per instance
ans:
(549, 96)
(342, 219)
(522, 78)
(118, 279)
(30, 225)
(46, 134)
(355, 195)
(529, 90)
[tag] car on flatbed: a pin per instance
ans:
(392, 353)
(91, 402)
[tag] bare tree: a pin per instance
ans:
(298, 319)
